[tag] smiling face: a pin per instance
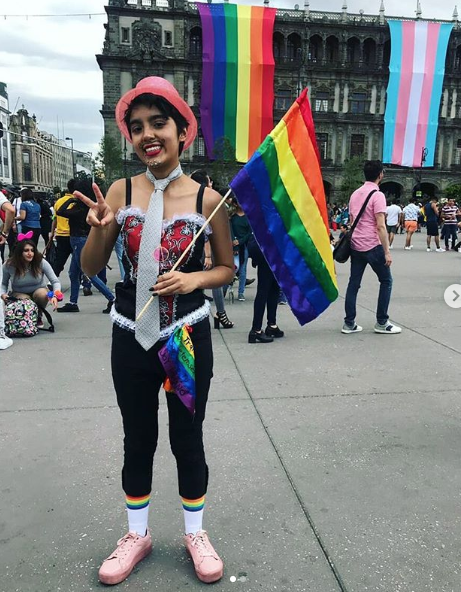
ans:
(28, 253)
(155, 139)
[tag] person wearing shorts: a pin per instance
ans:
(411, 213)
(432, 224)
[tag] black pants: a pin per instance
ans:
(63, 252)
(138, 376)
(267, 293)
(450, 231)
(36, 233)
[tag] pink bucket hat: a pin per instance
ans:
(162, 88)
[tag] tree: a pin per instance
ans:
(352, 176)
(109, 162)
(224, 167)
(453, 192)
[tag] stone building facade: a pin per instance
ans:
(6, 172)
(342, 58)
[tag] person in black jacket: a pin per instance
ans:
(76, 212)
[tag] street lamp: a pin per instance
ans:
(419, 173)
(71, 140)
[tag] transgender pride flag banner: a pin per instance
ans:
(417, 68)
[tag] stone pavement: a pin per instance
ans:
(334, 459)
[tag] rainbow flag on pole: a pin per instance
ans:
(237, 75)
(281, 191)
(178, 359)
(417, 68)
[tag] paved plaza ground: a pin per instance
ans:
(334, 459)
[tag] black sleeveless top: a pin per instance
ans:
(177, 233)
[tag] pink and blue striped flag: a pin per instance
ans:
(417, 68)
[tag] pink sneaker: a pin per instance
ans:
(131, 549)
(207, 563)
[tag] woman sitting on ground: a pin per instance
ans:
(29, 274)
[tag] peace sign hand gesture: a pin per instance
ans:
(100, 213)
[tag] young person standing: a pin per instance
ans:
(370, 246)
(160, 210)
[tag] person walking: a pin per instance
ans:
(393, 212)
(76, 212)
(60, 230)
(410, 215)
(241, 231)
(370, 246)
(159, 211)
(432, 214)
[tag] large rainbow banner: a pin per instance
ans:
(417, 68)
(237, 75)
(281, 191)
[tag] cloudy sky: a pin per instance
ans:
(49, 65)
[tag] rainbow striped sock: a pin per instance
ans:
(193, 514)
(138, 513)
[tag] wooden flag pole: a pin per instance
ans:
(187, 249)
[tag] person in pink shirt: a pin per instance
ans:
(370, 246)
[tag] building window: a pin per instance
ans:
(458, 152)
(168, 38)
(125, 34)
(322, 144)
(358, 102)
(321, 102)
(200, 146)
(283, 99)
(357, 144)
(27, 171)
(195, 42)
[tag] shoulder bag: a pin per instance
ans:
(342, 250)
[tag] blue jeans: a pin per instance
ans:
(243, 253)
(75, 271)
(359, 260)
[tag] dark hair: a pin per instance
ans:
(166, 109)
(85, 186)
(372, 169)
(71, 185)
(200, 176)
(17, 261)
(26, 194)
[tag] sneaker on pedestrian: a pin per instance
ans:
(241, 298)
(407, 248)
(440, 250)
(411, 246)
(207, 563)
(391, 247)
(5, 342)
(69, 307)
(428, 249)
(351, 329)
(87, 292)
(387, 328)
(131, 549)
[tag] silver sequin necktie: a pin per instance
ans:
(147, 330)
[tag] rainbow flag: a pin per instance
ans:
(281, 191)
(237, 75)
(417, 67)
(178, 360)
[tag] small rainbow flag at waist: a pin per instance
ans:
(417, 68)
(281, 191)
(237, 75)
(178, 360)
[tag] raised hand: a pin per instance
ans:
(100, 213)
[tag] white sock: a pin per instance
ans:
(137, 520)
(193, 521)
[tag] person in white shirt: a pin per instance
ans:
(392, 220)
(9, 210)
(411, 215)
